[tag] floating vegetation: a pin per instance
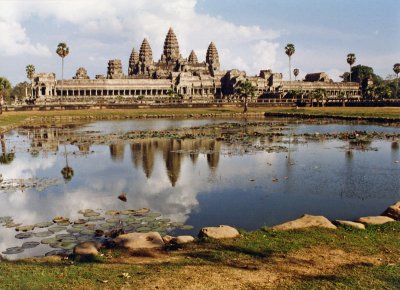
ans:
(80, 221)
(57, 229)
(44, 224)
(59, 252)
(49, 241)
(23, 235)
(60, 219)
(112, 212)
(25, 228)
(12, 185)
(186, 227)
(13, 251)
(44, 234)
(30, 245)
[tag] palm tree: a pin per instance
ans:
(342, 96)
(289, 50)
(30, 71)
(244, 90)
(296, 73)
(396, 69)
(62, 51)
(67, 172)
(320, 95)
(351, 59)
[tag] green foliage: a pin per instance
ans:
(351, 58)
(62, 49)
(18, 92)
(245, 89)
(5, 89)
(30, 71)
(290, 49)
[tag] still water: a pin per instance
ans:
(197, 181)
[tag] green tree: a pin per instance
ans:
(342, 96)
(62, 51)
(289, 50)
(19, 91)
(244, 90)
(296, 73)
(30, 72)
(320, 95)
(5, 89)
(351, 59)
(396, 69)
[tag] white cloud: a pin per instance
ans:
(124, 22)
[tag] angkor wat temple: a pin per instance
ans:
(175, 79)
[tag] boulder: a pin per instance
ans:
(87, 249)
(393, 211)
(355, 225)
(375, 220)
(134, 241)
(306, 221)
(180, 240)
(167, 239)
(221, 232)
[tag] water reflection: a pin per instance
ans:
(247, 189)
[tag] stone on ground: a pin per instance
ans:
(179, 240)
(306, 221)
(221, 232)
(167, 239)
(87, 249)
(393, 211)
(375, 220)
(134, 241)
(355, 225)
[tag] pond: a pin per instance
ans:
(243, 173)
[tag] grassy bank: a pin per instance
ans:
(12, 119)
(314, 258)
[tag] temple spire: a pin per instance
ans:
(133, 61)
(212, 57)
(193, 58)
(171, 47)
(145, 54)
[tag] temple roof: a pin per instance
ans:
(171, 46)
(145, 54)
(193, 58)
(134, 58)
(212, 54)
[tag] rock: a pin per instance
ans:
(134, 241)
(375, 220)
(167, 239)
(393, 211)
(221, 232)
(355, 225)
(180, 240)
(87, 249)
(306, 221)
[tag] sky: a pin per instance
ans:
(249, 34)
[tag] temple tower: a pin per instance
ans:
(193, 58)
(114, 70)
(145, 57)
(212, 58)
(133, 63)
(171, 47)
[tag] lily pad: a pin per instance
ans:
(30, 245)
(85, 238)
(58, 253)
(142, 210)
(57, 229)
(25, 228)
(112, 212)
(83, 211)
(44, 224)
(91, 214)
(113, 220)
(127, 211)
(43, 234)
(143, 229)
(49, 241)
(13, 250)
(65, 236)
(12, 225)
(129, 229)
(95, 218)
(177, 224)
(107, 226)
(78, 226)
(164, 220)
(6, 219)
(74, 230)
(60, 219)
(87, 232)
(154, 214)
(68, 245)
(64, 223)
(186, 227)
(80, 221)
(23, 235)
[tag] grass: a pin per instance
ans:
(293, 257)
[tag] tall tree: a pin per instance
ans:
(30, 71)
(289, 50)
(244, 90)
(5, 89)
(67, 172)
(351, 59)
(396, 69)
(62, 51)
(296, 73)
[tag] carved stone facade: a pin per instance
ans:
(174, 78)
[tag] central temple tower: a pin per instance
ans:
(171, 48)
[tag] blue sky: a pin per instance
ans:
(249, 34)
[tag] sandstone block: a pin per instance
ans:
(134, 241)
(355, 225)
(393, 211)
(375, 220)
(306, 221)
(87, 249)
(221, 232)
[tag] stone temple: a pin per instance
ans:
(174, 78)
